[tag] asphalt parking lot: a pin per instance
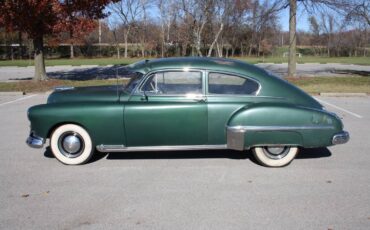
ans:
(322, 189)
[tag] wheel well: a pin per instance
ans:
(51, 130)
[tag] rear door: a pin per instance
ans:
(226, 93)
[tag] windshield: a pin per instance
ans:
(135, 78)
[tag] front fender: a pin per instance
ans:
(102, 120)
(281, 124)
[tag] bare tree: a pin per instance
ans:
(292, 38)
(327, 23)
(197, 12)
(128, 11)
(168, 10)
(116, 32)
(339, 6)
(315, 30)
(222, 13)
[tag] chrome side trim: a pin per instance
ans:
(35, 141)
(61, 88)
(236, 134)
(279, 128)
(122, 148)
(340, 138)
(235, 137)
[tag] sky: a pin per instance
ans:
(302, 20)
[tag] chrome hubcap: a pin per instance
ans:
(276, 152)
(71, 144)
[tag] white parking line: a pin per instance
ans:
(19, 99)
(337, 107)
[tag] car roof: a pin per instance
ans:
(204, 63)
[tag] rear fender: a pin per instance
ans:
(267, 124)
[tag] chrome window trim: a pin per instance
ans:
(134, 89)
(244, 95)
(122, 148)
(256, 93)
(137, 91)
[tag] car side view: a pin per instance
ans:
(185, 104)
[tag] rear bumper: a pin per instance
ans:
(340, 138)
(35, 141)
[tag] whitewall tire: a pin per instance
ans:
(71, 144)
(275, 156)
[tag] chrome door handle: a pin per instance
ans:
(200, 99)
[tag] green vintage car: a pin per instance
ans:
(185, 104)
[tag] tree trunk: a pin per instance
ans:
(72, 53)
(215, 40)
(118, 51)
(126, 46)
(184, 49)
(40, 72)
(292, 38)
(20, 45)
(11, 52)
(162, 49)
(250, 50)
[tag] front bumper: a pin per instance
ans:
(340, 138)
(35, 141)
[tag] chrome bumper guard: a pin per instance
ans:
(35, 141)
(340, 138)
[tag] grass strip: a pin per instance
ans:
(125, 61)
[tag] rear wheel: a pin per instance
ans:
(71, 144)
(275, 156)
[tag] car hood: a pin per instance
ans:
(106, 93)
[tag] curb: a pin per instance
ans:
(343, 94)
(14, 93)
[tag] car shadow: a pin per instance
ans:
(191, 154)
(91, 73)
(195, 154)
(313, 153)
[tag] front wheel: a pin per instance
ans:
(71, 144)
(275, 156)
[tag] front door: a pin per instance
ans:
(168, 109)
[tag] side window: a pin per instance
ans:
(174, 83)
(221, 83)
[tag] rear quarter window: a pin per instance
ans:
(221, 83)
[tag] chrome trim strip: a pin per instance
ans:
(34, 141)
(340, 138)
(235, 138)
(279, 128)
(236, 134)
(61, 88)
(122, 148)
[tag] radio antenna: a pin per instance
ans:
(117, 81)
